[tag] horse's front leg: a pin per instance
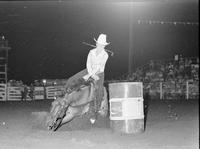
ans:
(70, 113)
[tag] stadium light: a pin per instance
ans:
(44, 81)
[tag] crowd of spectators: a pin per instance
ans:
(15, 83)
(172, 73)
(171, 70)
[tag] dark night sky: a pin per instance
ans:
(46, 37)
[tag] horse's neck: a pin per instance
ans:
(82, 97)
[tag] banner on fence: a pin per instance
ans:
(52, 91)
(39, 93)
(14, 93)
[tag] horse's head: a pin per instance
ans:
(57, 112)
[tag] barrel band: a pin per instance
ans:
(127, 118)
(123, 99)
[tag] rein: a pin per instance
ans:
(85, 43)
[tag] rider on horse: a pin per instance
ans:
(95, 66)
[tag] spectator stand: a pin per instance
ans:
(192, 90)
(169, 79)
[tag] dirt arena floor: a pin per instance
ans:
(169, 125)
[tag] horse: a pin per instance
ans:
(74, 104)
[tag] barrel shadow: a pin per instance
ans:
(146, 103)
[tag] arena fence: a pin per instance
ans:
(53, 91)
(155, 90)
(15, 93)
(39, 93)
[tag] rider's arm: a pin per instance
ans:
(92, 71)
(89, 62)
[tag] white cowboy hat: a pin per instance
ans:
(102, 40)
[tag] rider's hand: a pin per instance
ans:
(86, 77)
(95, 77)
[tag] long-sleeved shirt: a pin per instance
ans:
(96, 63)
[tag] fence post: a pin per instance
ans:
(6, 94)
(187, 90)
(161, 91)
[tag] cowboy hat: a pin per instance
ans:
(102, 40)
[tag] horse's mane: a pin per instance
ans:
(78, 85)
(83, 90)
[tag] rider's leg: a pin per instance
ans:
(98, 97)
(99, 90)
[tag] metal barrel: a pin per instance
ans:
(126, 107)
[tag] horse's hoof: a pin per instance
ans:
(92, 121)
(56, 124)
(49, 128)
